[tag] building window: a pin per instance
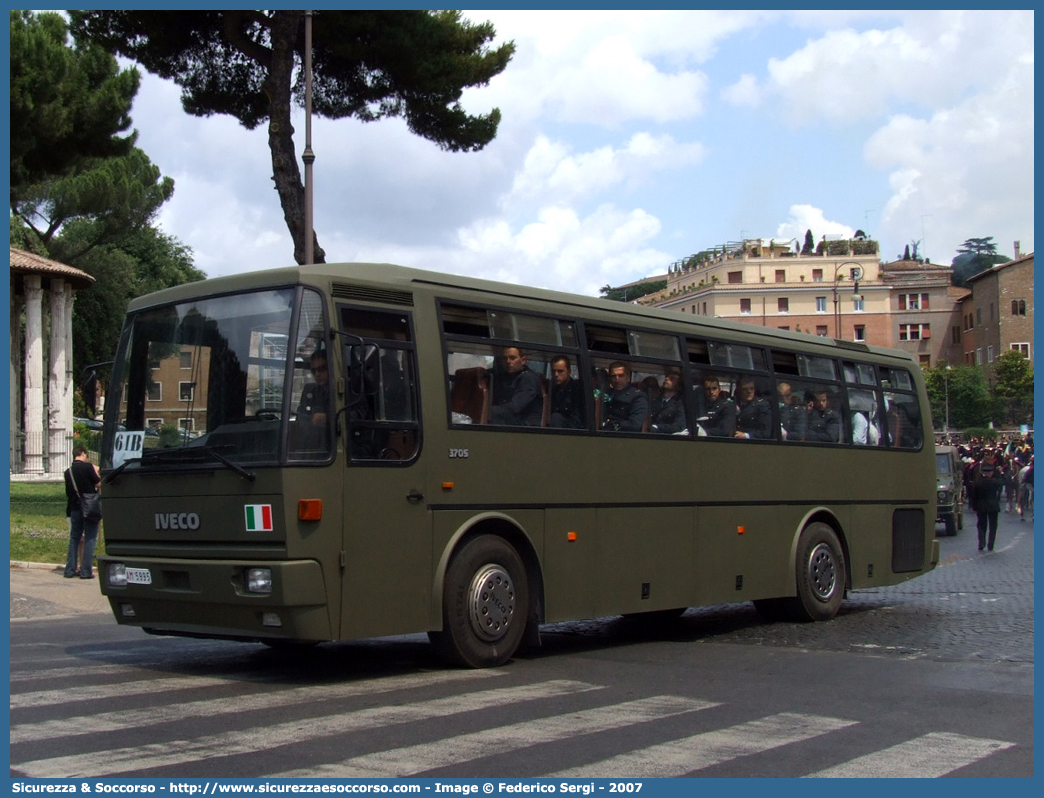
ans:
(858, 305)
(978, 316)
(186, 424)
(186, 391)
(785, 327)
(820, 304)
(955, 334)
(154, 423)
(925, 361)
(1018, 307)
(817, 275)
(735, 277)
(186, 360)
(745, 307)
(821, 330)
(978, 357)
(989, 354)
(914, 332)
(991, 311)
(781, 277)
(860, 332)
(913, 301)
(155, 392)
(1024, 348)
(783, 305)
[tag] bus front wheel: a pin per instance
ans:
(820, 574)
(484, 605)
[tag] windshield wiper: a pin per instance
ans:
(185, 454)
(111, 476)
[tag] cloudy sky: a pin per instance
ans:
(630, 140)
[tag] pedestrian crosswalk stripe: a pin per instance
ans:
(232, 743)
(414, 759)
(81, 672)
(211, 707)
(91, 692)
(930, 756)
(679, 757)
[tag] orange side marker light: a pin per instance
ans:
(571, 536)
(310, 510)
(740, 530)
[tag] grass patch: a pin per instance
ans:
(39, 528)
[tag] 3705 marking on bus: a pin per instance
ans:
(458, 453)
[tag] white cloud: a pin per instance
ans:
(550, 172)
(807, 217)
(744, 92)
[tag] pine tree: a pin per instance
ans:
(366, 64)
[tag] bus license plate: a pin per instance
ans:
(139, 576)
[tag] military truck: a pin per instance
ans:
(950, 489)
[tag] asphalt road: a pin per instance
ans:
(932, 678)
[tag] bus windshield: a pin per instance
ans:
(248, 386)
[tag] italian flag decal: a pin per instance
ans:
(258, 517)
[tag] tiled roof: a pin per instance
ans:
(1001, 266)
(23, 262)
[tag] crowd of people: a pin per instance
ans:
(998, 477)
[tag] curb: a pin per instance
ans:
(36, 565)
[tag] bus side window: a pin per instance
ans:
(866, 423)
(903, 420)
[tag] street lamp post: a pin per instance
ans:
(857, 275)
(946, 382)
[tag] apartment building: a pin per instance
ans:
(997, 314)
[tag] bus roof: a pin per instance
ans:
(406, 279)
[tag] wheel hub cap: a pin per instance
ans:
(822, 572)
(491, 602)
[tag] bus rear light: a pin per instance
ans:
(310, 510)
(259, 580)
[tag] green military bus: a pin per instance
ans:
(368, 450)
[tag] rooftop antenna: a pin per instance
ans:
(923, 255)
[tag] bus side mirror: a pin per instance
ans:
(364, 376)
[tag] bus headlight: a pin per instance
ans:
(259, 580)
(117, 574)
(944, 496)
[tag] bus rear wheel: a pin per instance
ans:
(484, 605)
(820, 574)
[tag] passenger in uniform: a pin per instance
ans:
(793, 418)
(824, 424)
(667, 413)
(625, 407)
(517, 400)
(753, 413)
(719, 412)
(567, 397)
